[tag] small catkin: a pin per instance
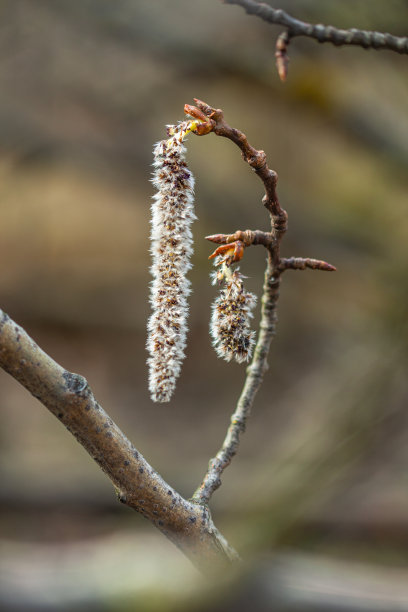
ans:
(171, 248)
(231, 314)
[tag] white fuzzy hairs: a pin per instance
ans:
(171, 249)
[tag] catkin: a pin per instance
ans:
(171, 248)
(230, 321)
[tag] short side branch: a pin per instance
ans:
(301, 263)
(275, 266)
(247, 237)
(323, 33)
(69, 397)
(271, 240)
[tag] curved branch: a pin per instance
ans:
(275, 266)
(69, 397)
(271, 240)
(323, 33)
(247, 237)
(301, 263)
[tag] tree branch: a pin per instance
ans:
(275, 266)
(69, 397)
(323, 33)
(257, 160)
(187, 524)
(249, 238)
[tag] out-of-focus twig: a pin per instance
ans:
(256, 159)
(324, 33)
(301, 263)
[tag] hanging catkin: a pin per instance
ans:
(171, 248)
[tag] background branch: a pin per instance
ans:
(323, 33)
(69, 397)
(257, 160)
(301, 263)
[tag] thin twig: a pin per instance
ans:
(281, 55)
(69, 397)
(247, 237)
(301, 263)
(275, 266)
(323, 33)
(257, 160)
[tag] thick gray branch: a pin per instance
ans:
(323, 33)
(69, 397)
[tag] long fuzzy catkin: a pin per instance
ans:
(171, 248)
(231, 313)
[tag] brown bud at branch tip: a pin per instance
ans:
(218, 238)
(282, 59)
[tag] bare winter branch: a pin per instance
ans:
(275, 266)
(256, 159)
(271, 240)
(323, 33)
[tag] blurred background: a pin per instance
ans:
(317, 500)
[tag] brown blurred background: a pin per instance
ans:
(87, 87)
